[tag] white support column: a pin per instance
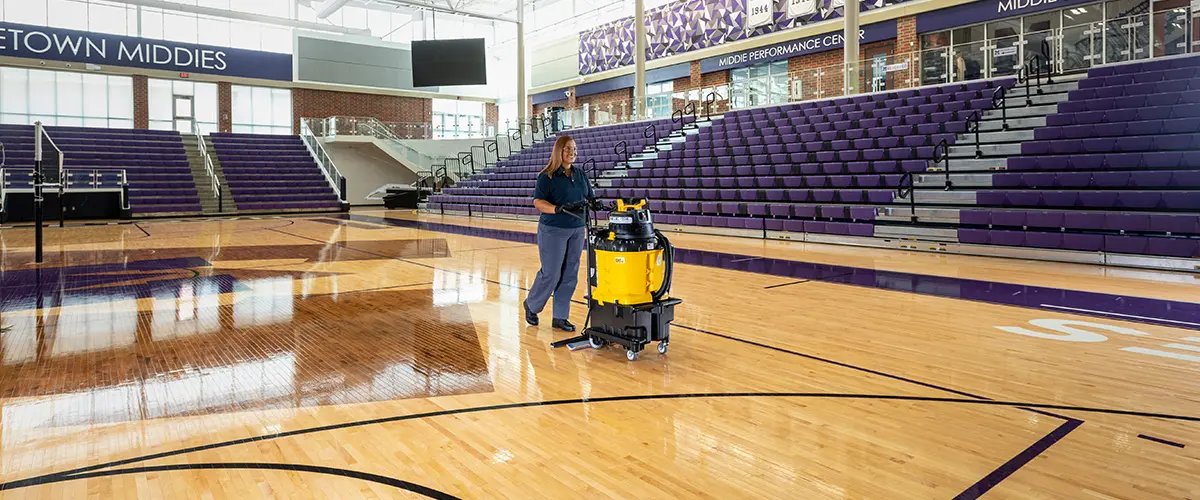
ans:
(522, 99)
(639, 59)
(850, 79)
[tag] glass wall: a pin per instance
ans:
(180, 105)
(119, 18)
(1072, 39)
(65, 98)
(262, 110)
(455, 119)
(759, 85)
(659, 99)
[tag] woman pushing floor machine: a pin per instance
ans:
(629, 271)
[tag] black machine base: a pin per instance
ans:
(632, 326)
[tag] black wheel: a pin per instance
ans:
(662, 347)
(596, 342)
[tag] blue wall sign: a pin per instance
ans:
(42, 42)
(809, 45)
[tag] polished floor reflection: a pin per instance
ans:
(383, 355)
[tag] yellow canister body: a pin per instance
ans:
(628, 278)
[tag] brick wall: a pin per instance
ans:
(224, 107)
(618, 103)
(491, 116)
(818, 74)
(540, 109)
(141, 101)
(310, 103)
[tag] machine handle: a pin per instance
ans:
(669, 269)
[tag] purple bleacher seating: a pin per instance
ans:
(155, 163)
(273, 173)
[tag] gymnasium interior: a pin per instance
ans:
(825, 249)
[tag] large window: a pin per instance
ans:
(119, 18)
(262, 110)
(1072, 39)
(182, 106)
(457, 119)
(659, 99)
(759, 85)
(65, 98)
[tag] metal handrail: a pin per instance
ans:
(214, 182)
(973, 126)
(324, 161)
(910, 194)
(371, 126)
(621, 148)
(943, 157)
(998, 100)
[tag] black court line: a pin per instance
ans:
(316, 469)
(768, 287)
(1161, 441)
(144, 231)
(1015, 463)
(609, 399)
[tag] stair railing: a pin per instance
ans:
(214, 182)
(709, 100)
(479, 152)
(998, 101)
(491, 146)
(941, 154)
(621, 148)
(651, 132)
(973, 127)
(324, 161)
(465, 159)
(514, 134)
(910, 193)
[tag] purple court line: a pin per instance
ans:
(1128, 308)
(1161, 441)
(1015, 463)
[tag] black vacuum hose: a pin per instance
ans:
(669, 261)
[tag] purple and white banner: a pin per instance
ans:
(686, 25)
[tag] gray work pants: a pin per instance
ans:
(560, 250)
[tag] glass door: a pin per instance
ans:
(1082, 38)
(968, 58)
(185, 112)
(1005, 53)
(1041, 40)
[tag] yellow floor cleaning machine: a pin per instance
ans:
(630, 265)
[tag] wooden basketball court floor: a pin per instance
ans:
(382, 354)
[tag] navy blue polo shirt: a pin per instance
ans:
(560, 190)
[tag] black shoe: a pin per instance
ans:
(530, 317)
(563, 325)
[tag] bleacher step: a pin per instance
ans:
(917, 233)
(987, 149)
(926, 214)
(995, 124)
(994, 137)
(937, 180)
(939, 197)
(1024, 111)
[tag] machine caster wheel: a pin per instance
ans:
(631, 355)
(596, 342)
(662, 347)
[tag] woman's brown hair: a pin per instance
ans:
(556, 157)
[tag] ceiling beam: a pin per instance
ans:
(244, 16)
